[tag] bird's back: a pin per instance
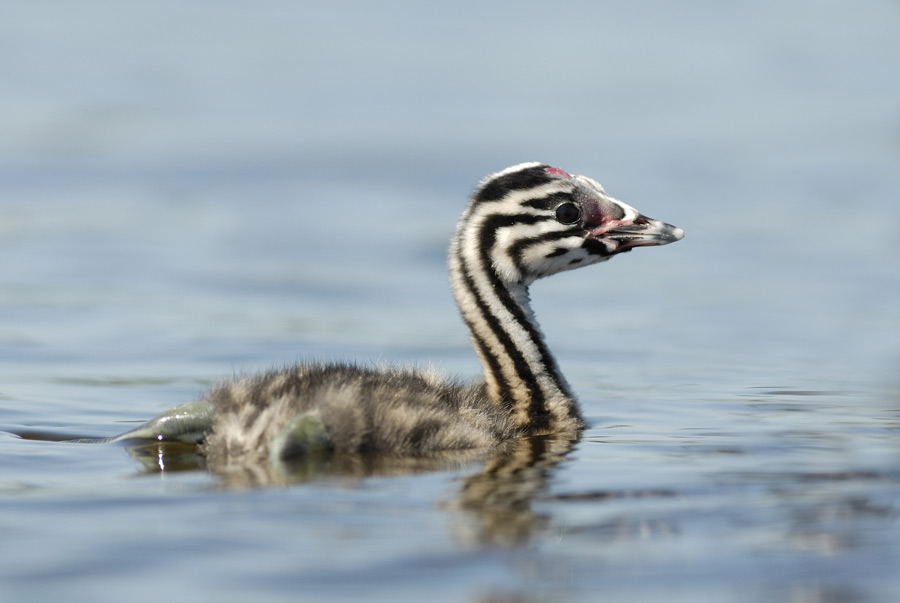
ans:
(397, 410)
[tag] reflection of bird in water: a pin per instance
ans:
(524, 223)
(500, 496)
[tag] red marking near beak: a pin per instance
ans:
(607, 226)
(555, 171)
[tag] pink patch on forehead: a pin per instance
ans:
(555, 171)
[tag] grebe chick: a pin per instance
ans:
(526, 222)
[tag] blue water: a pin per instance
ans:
(190, 190)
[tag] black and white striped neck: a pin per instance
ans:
(526, 222)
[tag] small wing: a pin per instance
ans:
(305, 434)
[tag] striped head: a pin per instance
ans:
(533, 220)
(526, 222)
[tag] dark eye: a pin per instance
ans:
(568, 213)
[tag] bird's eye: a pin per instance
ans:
(568, 213)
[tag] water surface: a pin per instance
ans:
(191, 190)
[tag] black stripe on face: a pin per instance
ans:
(596, 247)
(548, 202)
(499, 187)
(517, 250)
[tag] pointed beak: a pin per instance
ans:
(643, 232)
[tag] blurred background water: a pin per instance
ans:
(194, 189)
